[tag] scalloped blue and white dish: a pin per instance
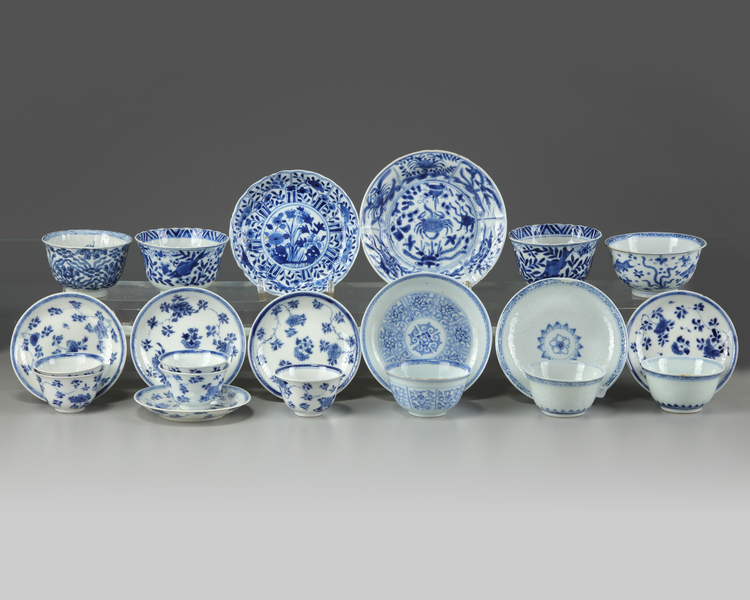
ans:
(433, 211)
(157, 400)
(185, 318)
(560, 319)
(294, 231)
(67, 322)
(303, 328)
(89, 261)
(425, 316)
(681, 323)
(181, 256)
(554, 250)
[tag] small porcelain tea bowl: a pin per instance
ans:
(564, 388)
(89, 261)
(194, 390)
(181, 256)
(554, 250)
(194, 361)
(69, 394)
(654, 262)
(427, 388)
(681, 384)
(308, 389)
(69, 364)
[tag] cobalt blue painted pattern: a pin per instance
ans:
(562, 412)
(427, 399)
(295, 230)
(194, 388)
(433, 211)
(67, 322)
(70, 393)
(177, 267)
(185, 318)
(425, 325)
(87, 268)
(539, 260)
(303, 327)
(559, 342)
(314, 397)
(681, 323)
(157, 400)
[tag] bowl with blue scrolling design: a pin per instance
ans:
(654, 262)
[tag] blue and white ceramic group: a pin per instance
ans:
(432, 224)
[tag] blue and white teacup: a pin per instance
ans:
(681, 384)
(308, 389)
(69, 394)
(564, 388)
(427, 387)
(194, 390)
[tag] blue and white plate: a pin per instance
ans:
(560, 319)
(433, 211)
(303, 328)
(681, 323)
(425, 316)
(185, 318)
(157, 400)
(67, 322)
(295, 231)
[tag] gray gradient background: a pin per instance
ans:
(625, 120)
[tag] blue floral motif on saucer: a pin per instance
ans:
(294, 231)
(158, 401)
(185, 318)
(303, 328)
(67, 322)
(433, 211)
(425, 316)
(681, 323)
(560, 319)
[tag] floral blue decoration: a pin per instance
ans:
(157, 400)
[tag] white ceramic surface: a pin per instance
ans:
(194, 390)
(69, 364)
(560, 319)
(308, 389)
(681, 384)
(427, 388)
(564, 388)
(157, 400)
(69, 394)
(425, 316)
(194, 361)
(185, 319)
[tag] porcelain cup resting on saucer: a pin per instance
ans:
(564, 388)
(194, 390)
(681, 384)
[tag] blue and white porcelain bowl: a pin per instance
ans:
(194, 390)
(554, 250)
(564, 388)
(68, 364)
(181, 256)
(69, 394)
(680, 384)
(427, 388)
(194, 361)
(654, 262)
(308, 389)
(89, 261)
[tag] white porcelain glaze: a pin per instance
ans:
(681, 384)
(564, 388)
(156, 399)
(193, 361)
(69, 364)
(69, 394)
(308, 389)
(427, 388)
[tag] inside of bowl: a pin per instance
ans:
(429, 370)
(565, 370)
(554, 240)
(679, 365)
(308, 373)
(186, 360)
(182, 242)
(70, 363)
(656, 244)
(86, 239)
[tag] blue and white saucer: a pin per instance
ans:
(681, 323)
(185, 318)
(67, 322)
(425, 316)
(157, 400)
(433, 211)
(303, 328)
(295, 231)
(560, 319)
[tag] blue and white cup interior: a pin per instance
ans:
(564, 388)
(680, 384)
(89, 261)
(554, 250)
(69, 394)
(181, 256)
(654, 262)
(427, 387)
(68, 364)
(308, 389)
(194, 390)
(194, 361)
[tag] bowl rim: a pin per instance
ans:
(124, 238)
(164, 233)
(702, 376)
(222, 355)
(513, 235)
(335, 372)
(452, 363)
(51, 357)
(656, 234)
(573, 382)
